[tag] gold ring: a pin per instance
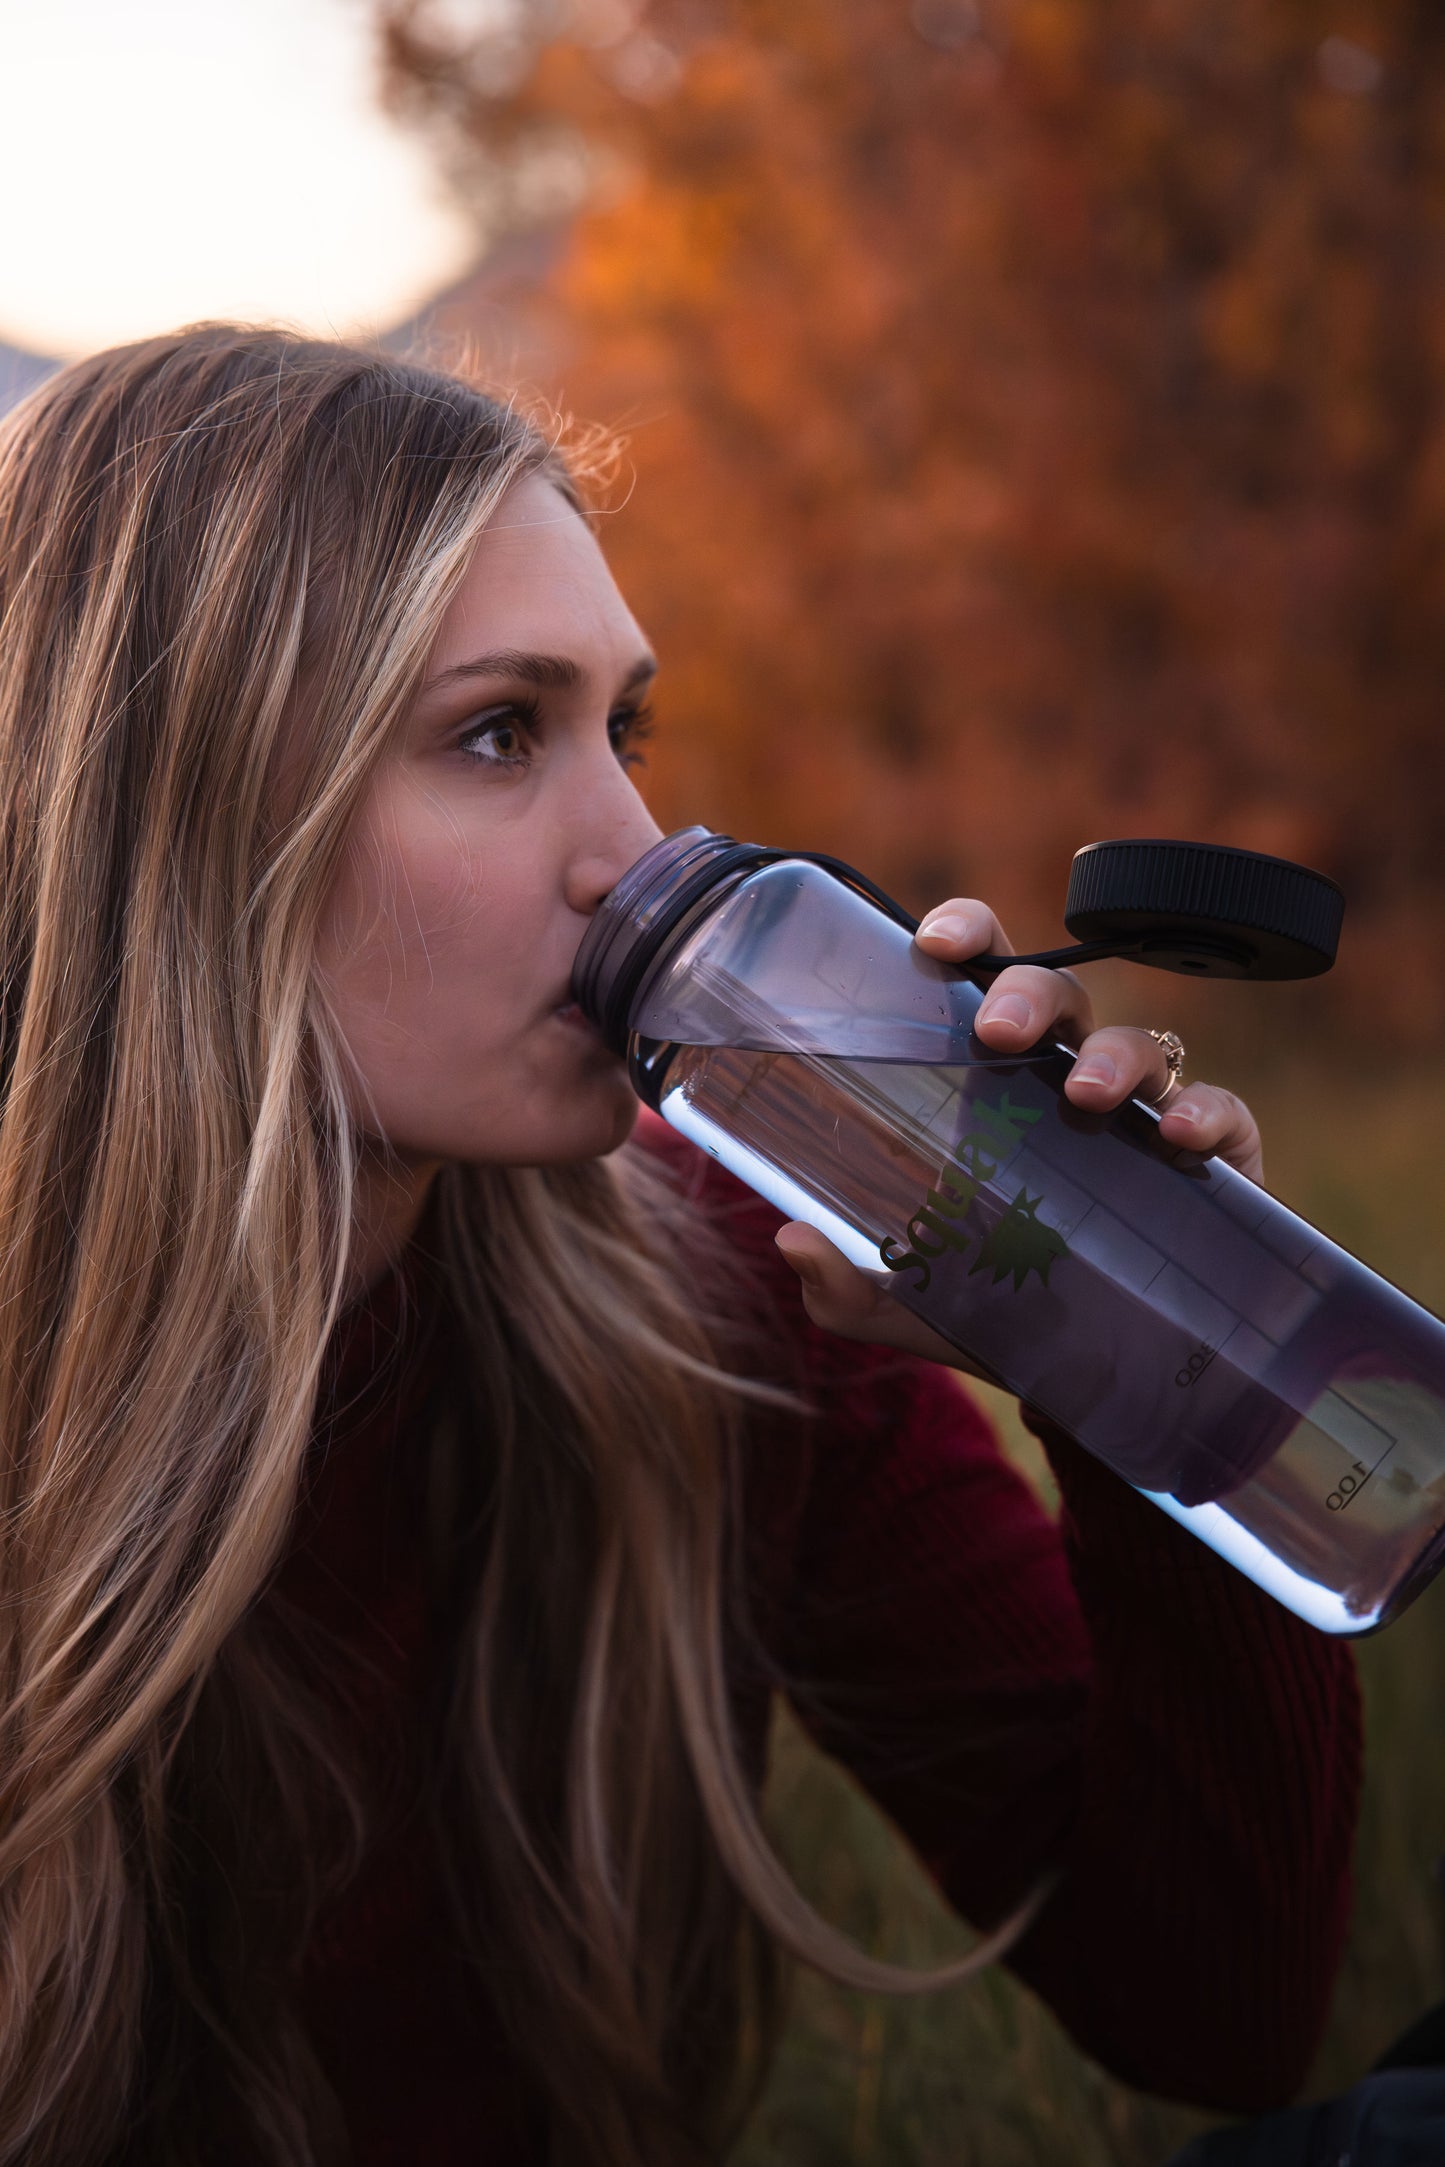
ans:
(1171, 1045)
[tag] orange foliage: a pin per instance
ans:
(1036, 411)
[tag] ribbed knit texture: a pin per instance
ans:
(1103, 1698)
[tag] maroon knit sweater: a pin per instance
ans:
(1101, 1696)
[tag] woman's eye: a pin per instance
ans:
(629, 729)
(501, 739)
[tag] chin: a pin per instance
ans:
(583, 1125)
(603, 1132)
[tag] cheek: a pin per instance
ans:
(417, 941)
(394, 921)
(437, 961)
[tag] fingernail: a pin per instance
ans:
(1096, 1068)
(1007, 1008)
(802, 1264)
(1186, 1112)
(949, 925)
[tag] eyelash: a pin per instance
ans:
(637, 725)
(634, 726)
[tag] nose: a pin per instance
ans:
(613, 832)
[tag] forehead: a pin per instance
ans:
(536, 579)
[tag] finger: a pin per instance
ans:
(844, 1300)
(1115, 1063)
(961, 928)
(837, 1295)
(1026, 1003)
(1122, 1061)
(1208, 1119)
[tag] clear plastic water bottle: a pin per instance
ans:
(1256, 1381)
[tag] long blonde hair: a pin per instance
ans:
(223, 558)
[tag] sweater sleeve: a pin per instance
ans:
(1220, 1792)
(1104, 1700)
(1099, 1699)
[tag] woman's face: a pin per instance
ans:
(502, 815)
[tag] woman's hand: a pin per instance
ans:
(1023, 1005)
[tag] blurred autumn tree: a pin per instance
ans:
(1036, 408)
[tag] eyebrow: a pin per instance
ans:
(553, 673)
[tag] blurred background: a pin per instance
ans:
(1035, 433)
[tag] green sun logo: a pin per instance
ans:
(1020, 1243)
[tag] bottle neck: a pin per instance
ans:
(640, 920)
(657, 897)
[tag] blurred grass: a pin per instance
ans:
(982, 2076)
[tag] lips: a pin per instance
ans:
(569, 1013)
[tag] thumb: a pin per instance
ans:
(836, 1294)
(841, 1299)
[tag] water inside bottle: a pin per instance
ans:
(1214, 1349)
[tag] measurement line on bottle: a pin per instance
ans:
(1348, 1489)
(1197, 1364)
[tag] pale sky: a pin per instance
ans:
(165, 160)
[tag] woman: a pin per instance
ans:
(414, 1490)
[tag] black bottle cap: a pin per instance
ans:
(1206, 910)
